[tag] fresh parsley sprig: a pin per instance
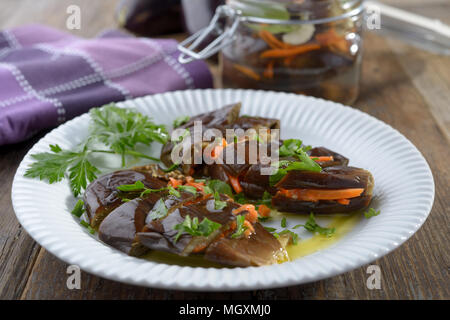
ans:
(293, 148)
(119, 130)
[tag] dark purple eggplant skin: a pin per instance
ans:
(248, 122)
(285, 204)
(253, 183)
(340, 177)
(338, 159)
(160, 234)
(119, 228)
(330, 178)
(259, 249)
(220, 119)
(102, 196)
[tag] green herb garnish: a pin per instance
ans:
(283, 222)
(190, 189)
(192, 227)
(171, 168)
(312, 226)
(87, 226)
(159, 211)
(78, 210)
(135, 187)
(173, 192)
(240, 228)
(220, 187)
(139, 186)
(119, 130)
(294, 236)
(371, 213)
(270, 229)
(218, 204)
(292, 147)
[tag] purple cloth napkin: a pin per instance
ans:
(48, 76)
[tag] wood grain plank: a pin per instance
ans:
(17, 250)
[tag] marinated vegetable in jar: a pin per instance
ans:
(317, 59)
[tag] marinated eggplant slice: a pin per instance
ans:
(286, 204)
(161, 235)
(220, 119)
(259, 249)
(245, 169)
(254, 184)
(330, 180)
(338, 159)
(102, 196)
(248, 122)
(119, 228)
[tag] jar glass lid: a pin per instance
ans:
(288, 10)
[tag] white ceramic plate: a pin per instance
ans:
(404, 192)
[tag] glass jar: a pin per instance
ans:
(311, 47)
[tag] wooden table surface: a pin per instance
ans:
(405, 87)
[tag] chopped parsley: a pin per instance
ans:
(190, 189)
(218, 204)
(159, 211)
(194, 228)
(78, 210)
(292, 147)
(283, 222)
(87, 226)
(240, 228)
(312, 226)
(173, 192)
(171, 168)
(220, 187)
(139, 186)
(371, 213)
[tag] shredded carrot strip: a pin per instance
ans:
(343, 201)
(249, 229)
(174, 182)
(263, 210)
(272, 41)
(235, 184)
(197, 185)
(268, 72)
(248, 72)
(322, 158)
(251, 216)
(200, 248)
(283, 53)
(288, 61)
(215, 153)
(189, 179)
(332, 39)
(321, 194)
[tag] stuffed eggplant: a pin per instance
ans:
(213, 209)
